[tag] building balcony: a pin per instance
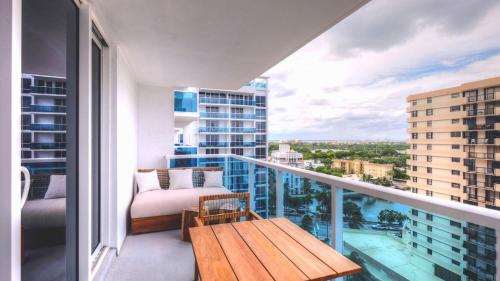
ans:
(243, 130)
(481, 141)
(480, 155)
(328, 214)
(57, 91)
(481, 98)
(242, 102)
(205, 100)
(242, 116)
(48, 146)
(44, 109)
(481, 111)
(479, 127)
(213, 130)
(213, 144)
(44, 127)
(480, 170)
(242, 144)
(214, 115)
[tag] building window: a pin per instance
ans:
(414, 113)
(455, 185)
(414, 245)
(429, 228)
(414, 146)
(455, 224)
(429, 147)
(414, 168)
(429, 158)
(261, 127)
(414, 179)
(414, 190)
(414, 212)
(414, 124)
(455, 121)
(455, 159)
(428, 136)
(456, 237)
(429, 217)
(457, 263)
(414, 233)
(415, 223)
(414, 102)
(414, 157)
(260, 152)
(455, 172)
(260, 101)
(429, 100)
(429, 170)
(456, 134)
(454, 108)
(428, 193)
(414, 136)
(429, 181)
(237, 151)
(455, 198)
(260, 113)
(428, 112)
(455, 146)
(429, 123)
(455, 95)
(455, 249)
(429, 240)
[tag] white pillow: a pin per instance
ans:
(147, 181)
(57, 187)
(213, 179)
(180, 179)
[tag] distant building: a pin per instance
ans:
(360, 167)
(286, 156)
(313, 164)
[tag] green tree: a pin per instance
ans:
(353, 215)
(307, 223)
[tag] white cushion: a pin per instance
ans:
(169, 202)
(213, 179)
(44, 213)
(57, 187)
(147, 181)
(180, 179)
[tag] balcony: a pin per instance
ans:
(244, 130)
(242, 144)
(44, 108)
(478, 127)
(481, 111)
(44, 127)
(57, 91)
(345, 214)
(480, 141)
(213, 144)
(242, 102)
(480, 155)
(48, 146)
(205, 100)
(214, 115)
(213, 130)
(242, 116)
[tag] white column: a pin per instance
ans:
(280, 194)
(10, 142)
(337, 222)
(85, 145)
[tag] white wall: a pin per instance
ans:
(10, 160)
(126, 146)
(156, 125)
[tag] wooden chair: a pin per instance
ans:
(224, 208)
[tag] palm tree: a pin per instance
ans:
(353, 215)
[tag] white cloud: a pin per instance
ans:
(342, 87)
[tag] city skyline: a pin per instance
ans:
(350, 83)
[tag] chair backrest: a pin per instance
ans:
(198, 177)
(221, 208)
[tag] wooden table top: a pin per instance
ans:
(271, 249)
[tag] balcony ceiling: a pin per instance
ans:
(217, 43)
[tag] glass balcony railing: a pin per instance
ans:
(213, 130)
(214, 144)
(51, 145)
(392, 234)
(206, 100)
(214, 115)
(185, 101)
(45, 108)
(44, 90)
(45, 127)
(242, 102)
(242, 116)
(242, 144)
(243, 130)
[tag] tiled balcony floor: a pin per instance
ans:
(154, 256)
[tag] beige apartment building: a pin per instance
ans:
(360, 167)
(455, 143)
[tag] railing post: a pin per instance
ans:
(227, 172)
(251, 185)
(337, 220)
(280, 192)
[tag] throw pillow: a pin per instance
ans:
(147, 181)
(213, 179)
(180, 179)
(57, 187)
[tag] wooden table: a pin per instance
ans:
(188, 216)
(273, 249)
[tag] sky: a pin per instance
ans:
(351, 82)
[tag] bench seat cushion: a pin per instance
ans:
(169, 202)
(44, 213)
